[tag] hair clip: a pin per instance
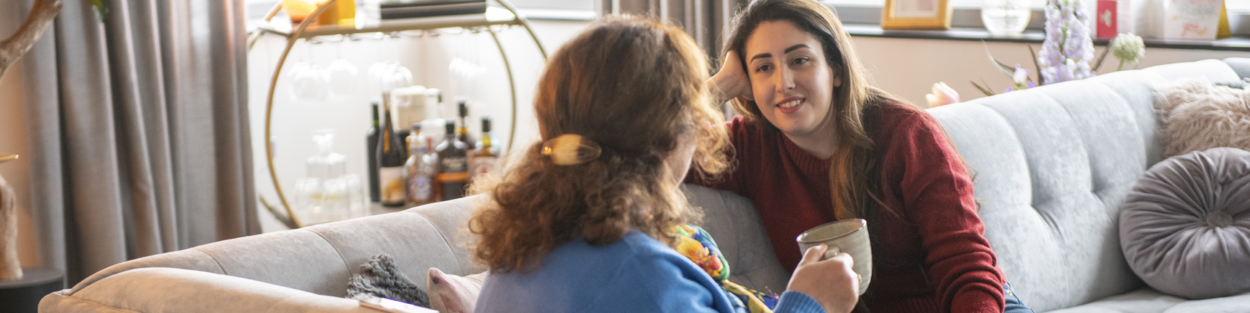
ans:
(571, 149)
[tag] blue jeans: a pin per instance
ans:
(1014, 305)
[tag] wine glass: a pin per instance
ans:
(342, 76)
(309, 84)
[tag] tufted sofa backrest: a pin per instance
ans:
(1052, 165)
(320, 259)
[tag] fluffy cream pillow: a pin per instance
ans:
(1198, 115)
(453, 293)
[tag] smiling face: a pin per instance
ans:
(790, 79)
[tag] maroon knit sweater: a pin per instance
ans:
(933, 257)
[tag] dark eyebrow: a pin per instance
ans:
(792, 48)
(769, 55)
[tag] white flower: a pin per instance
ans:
(1128, 47)
(941, 95)
(1020, 75)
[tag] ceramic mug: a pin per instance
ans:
(849, 236)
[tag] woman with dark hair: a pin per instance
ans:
(588, 220)
(815, 144)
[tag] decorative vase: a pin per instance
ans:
(1005, 17)
(10, 266)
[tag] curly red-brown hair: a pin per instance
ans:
(635, 87)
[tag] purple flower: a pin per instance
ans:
(1068, 49)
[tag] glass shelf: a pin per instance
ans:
(493, 16)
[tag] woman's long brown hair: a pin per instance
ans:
(855, 169)
(635, 87)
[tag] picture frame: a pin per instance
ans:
(916, 14)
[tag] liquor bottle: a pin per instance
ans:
(463, 131)
(390, 163)
(486, 155)
(418, 175)
(371, 140)
(453, 164)
(429, 167)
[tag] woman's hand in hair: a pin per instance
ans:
(831, 282)
(731, 81)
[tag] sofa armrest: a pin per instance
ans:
(155, 290)
(1239, 65)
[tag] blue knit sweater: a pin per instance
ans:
(635, 274)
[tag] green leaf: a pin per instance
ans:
(101, 8)
(1006, 69)
(1102, 57)
(1036, 66)
(984, 90)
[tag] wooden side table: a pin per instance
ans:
(23, 295)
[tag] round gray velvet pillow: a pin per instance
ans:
(1185, 226)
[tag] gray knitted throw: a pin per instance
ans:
(380, 278)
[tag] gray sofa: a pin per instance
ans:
(1052, 165)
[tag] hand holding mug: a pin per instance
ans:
(831, 281)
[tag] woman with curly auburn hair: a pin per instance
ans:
(816, 143)
(589, 219)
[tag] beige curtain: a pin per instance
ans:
(705, 20)
(137, 131)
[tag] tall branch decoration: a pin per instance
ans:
(41, 15)
(12, 49)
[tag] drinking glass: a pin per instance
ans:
(1005, 17)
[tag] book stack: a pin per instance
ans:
(397, 9)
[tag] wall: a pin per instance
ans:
(908, 68)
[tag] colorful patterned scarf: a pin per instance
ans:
(696, 244)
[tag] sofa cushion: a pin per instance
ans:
(1144, 300)
(1198, 115)
(380, 278)
(450, 293)
(1239, 65)
(1185, 226)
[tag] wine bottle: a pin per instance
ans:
(418, 174)
(485, 155)
(371, 141)
(390, 162)
(453, 164)
(463, 131)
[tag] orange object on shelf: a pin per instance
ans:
(298, 9)
(342, 13)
